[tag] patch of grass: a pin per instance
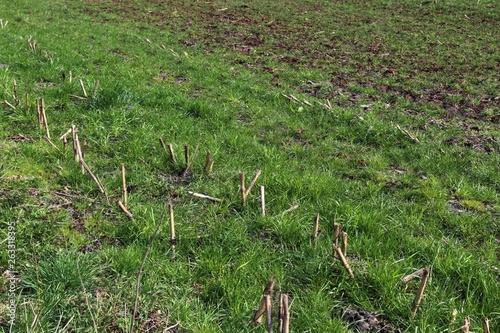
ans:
(381, 117)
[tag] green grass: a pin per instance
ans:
(213, 75)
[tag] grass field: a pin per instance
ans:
(379, 116)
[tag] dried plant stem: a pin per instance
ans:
(336, 234)
(39, 114)
(186, 156)
(284, 315)
(44, 117)
(139, 274)
(47, 132)
(9, 105)
(173, 240)
(83, 88)
(209, 162)
(211, 166)
(14, 84)
(343, 259)
(70, 76)
(207, 159)
(125, 210)
(53, 145)
(80, 153)
(413, 275)
(242, 187)
(28, 40)
(420, 292)
(68, 132)
(84, 147)
(64, 329)
(96, 86)
(75, 145)
(162, 143)
(78, 97)
(203, 196)
(252, 182)
(172, 154)
(344, 243)
(268, 290)
(291, 209)
(263, 200)
(27, 100)
(86, 167)
(408, 134)
(172, 328)
(316, 228)
(124, 184)
(486, 325)
(269, 313)
(466, 327)
(281, 313)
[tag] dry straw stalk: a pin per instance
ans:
(124, 184)
(344, 261)
(203, 196)
(420, 292)
(409, 277)
(125, 210)
(486, 325)
(316, 228)
(263, 200)
(268, 290)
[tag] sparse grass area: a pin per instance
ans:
(380, 116)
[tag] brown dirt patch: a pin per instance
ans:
(366, 321)
(352, 46)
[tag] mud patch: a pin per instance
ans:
(487, 144)
(331, 39)
(366, 321)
